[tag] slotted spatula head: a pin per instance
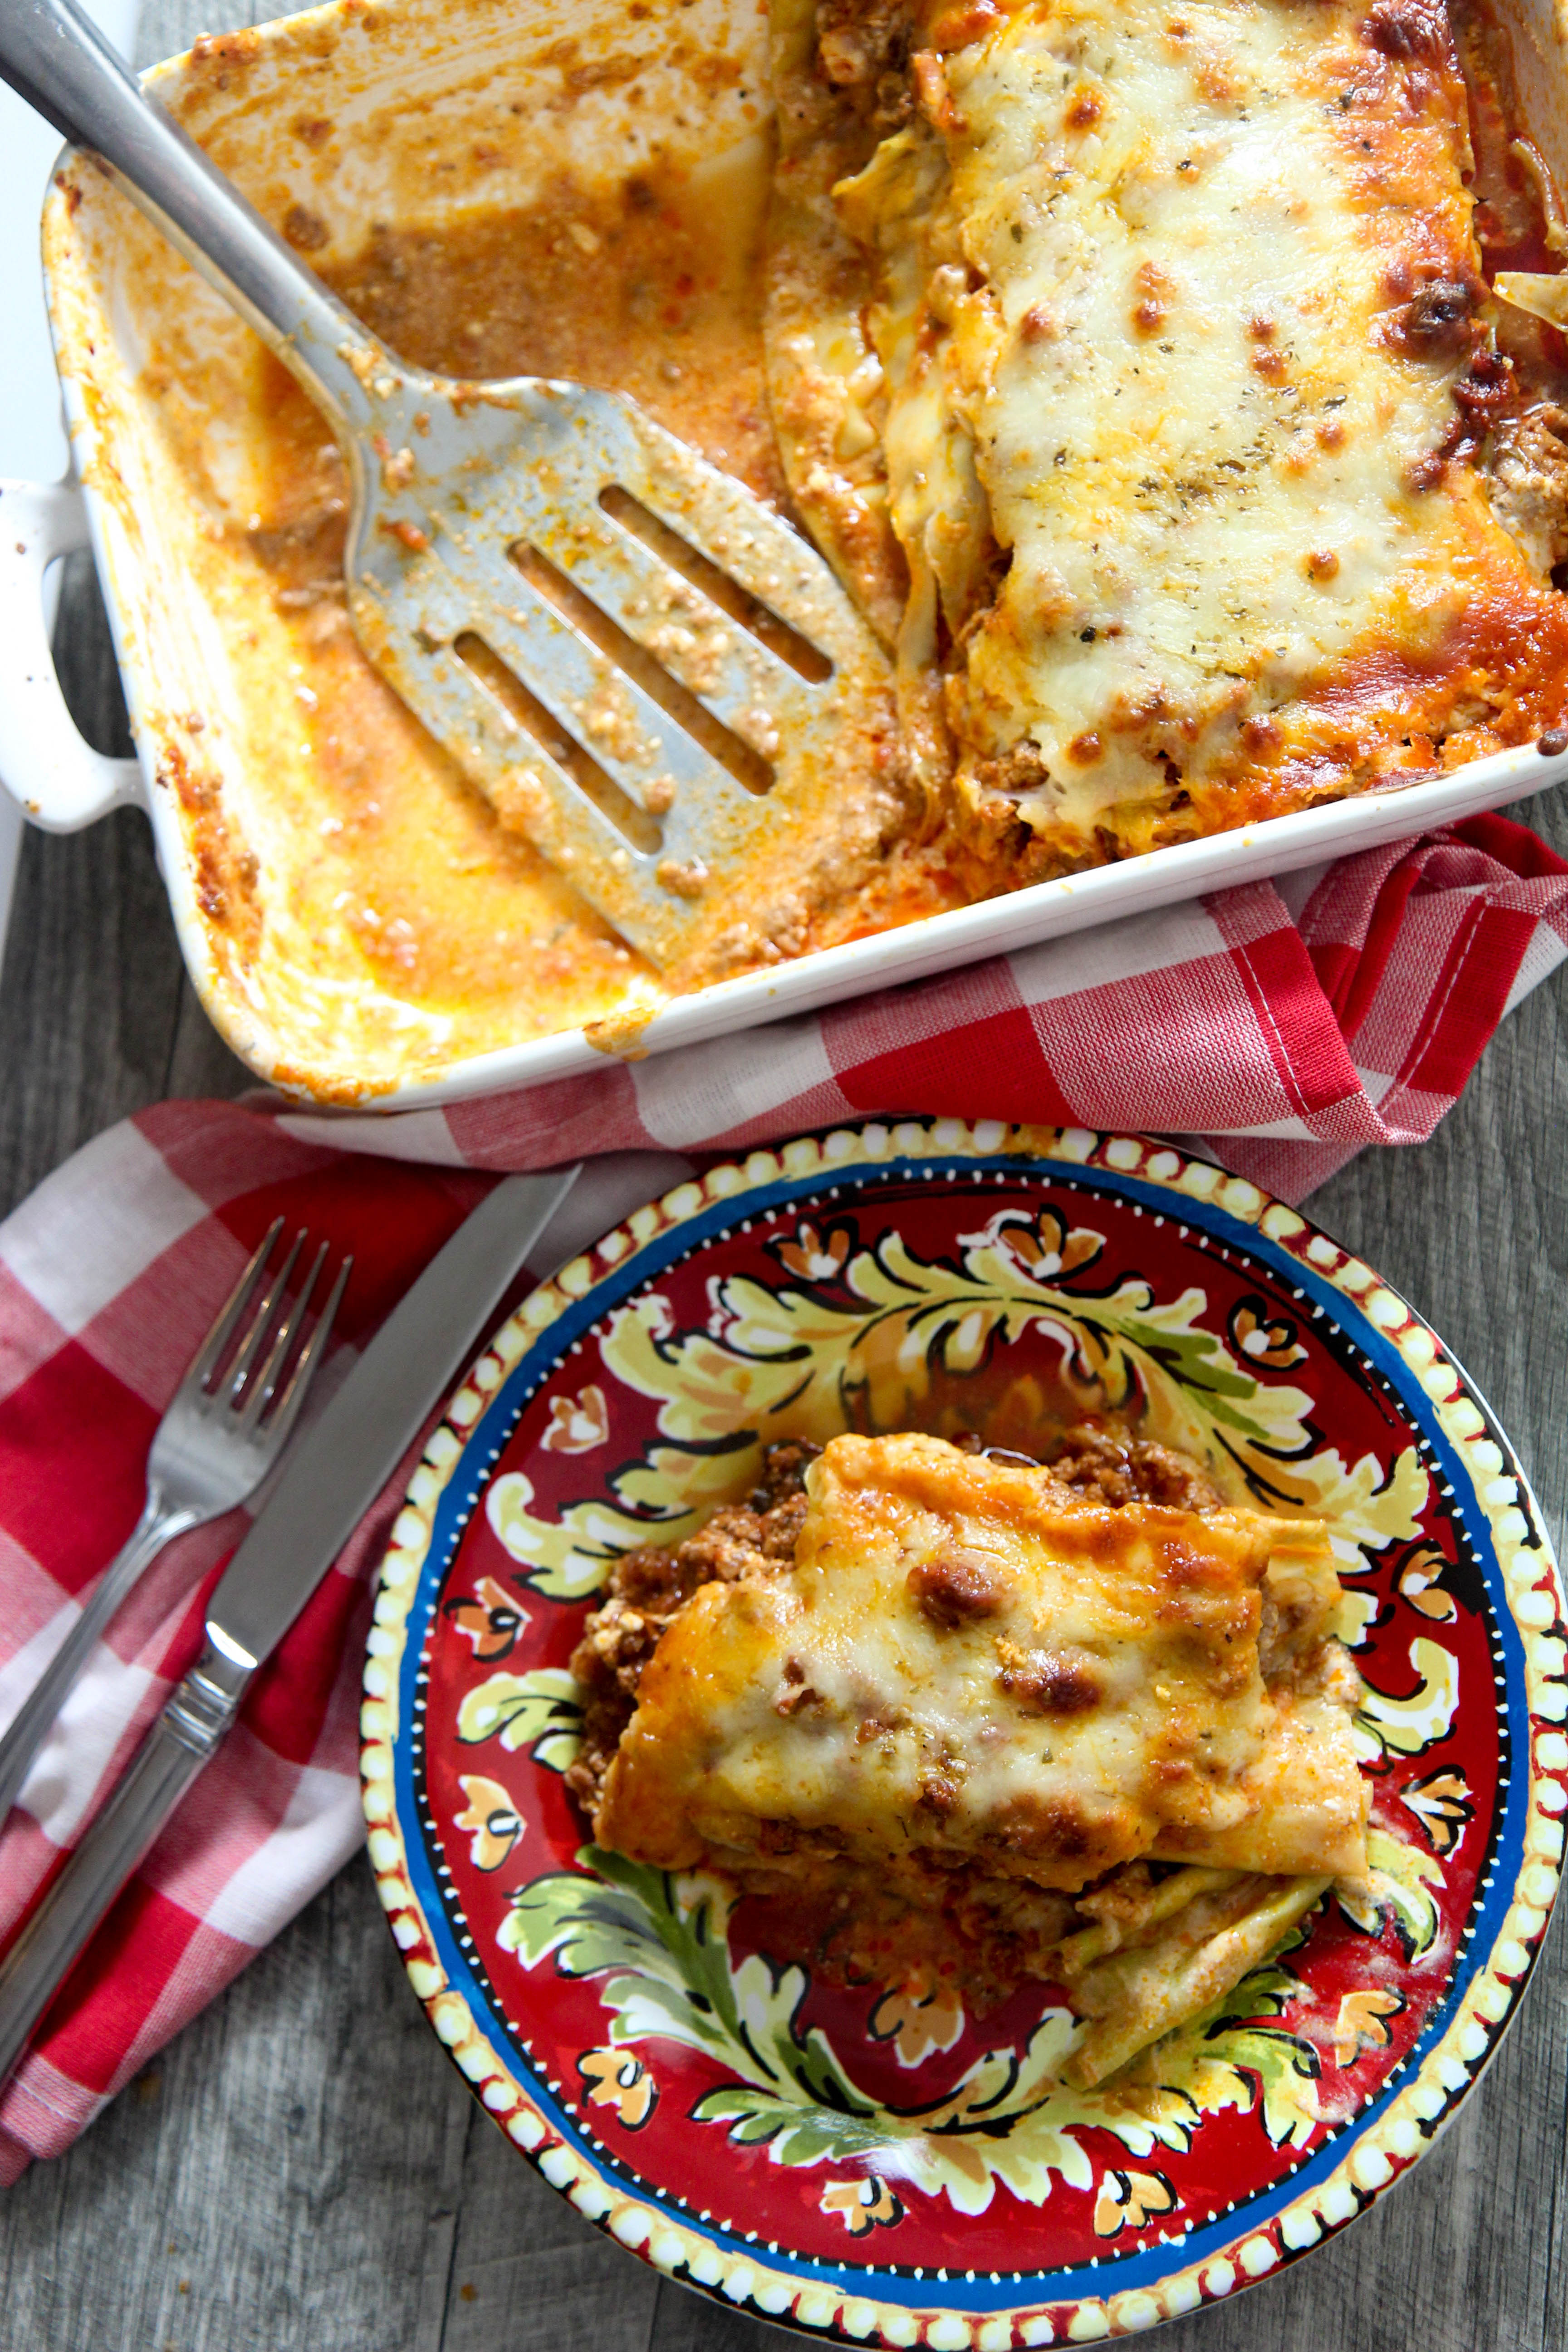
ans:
(637, 659)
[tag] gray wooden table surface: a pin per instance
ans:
(303, 2171)
(303, 2168)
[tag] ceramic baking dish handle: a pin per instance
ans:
(60, 780)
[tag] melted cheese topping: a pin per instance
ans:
(964, 1662)
(1176, 309)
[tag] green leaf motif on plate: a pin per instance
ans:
(1386, 1727)
(1398, 1886)
(659, 1943)
(811, 1360)
(859, 1344)
(541, 1711)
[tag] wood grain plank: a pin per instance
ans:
(530, 2272)
(295, 2159)
(326, 2180)
(304, 2159)
(97, 1016)
(96, 1013)
(687, 2322)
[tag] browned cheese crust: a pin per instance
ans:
(1142, 374)
(988, 1902)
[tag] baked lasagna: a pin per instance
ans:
(1178, 389)
(1136, 364)
(991, 1718)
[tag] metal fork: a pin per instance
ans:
(229, 1421)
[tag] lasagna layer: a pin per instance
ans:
(1134, 362)
(962, 1656)
(995, 1717)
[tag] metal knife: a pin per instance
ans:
(332, 1473)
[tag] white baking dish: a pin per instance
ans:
(404, 83)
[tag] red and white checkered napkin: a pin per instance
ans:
(1287, 1024)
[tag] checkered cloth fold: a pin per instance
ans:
(1286, 1024)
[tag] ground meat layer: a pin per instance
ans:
(646, 1587)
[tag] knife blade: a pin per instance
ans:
(330, 1475)
(348, 1455)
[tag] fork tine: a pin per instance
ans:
(235, 1379)
(260, 1387)
(308, 1361)
(229, 1312)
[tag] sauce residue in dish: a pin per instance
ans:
(405, 928)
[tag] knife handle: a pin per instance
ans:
(191, 1726)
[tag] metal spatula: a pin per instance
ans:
(624, 648)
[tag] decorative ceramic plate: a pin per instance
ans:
(885, 2167)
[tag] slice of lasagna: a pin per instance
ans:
(1077, 1721)
(1134, 362)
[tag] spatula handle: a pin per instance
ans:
(55, 58)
